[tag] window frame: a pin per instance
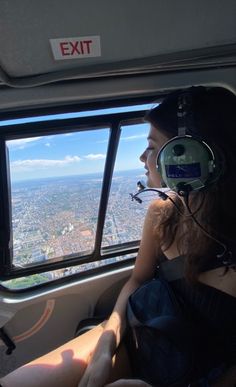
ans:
(57, 126)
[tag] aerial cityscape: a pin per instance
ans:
(56, 217)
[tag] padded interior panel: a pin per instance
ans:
(128, 30)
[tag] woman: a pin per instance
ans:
(93, 360)
(210, 293)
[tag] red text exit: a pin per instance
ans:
(74, 48)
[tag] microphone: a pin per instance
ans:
(142, 188)
(140, 185)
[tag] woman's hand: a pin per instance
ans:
(128, 383)
(99, 362)
(97, 371)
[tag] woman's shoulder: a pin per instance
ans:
(160, 207)
(158, 203)
(154, 211)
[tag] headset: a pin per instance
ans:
(186, 162)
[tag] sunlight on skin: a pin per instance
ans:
(62, 367)
(114, 320)
(51, 373)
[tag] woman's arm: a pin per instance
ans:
(144, 269)
(145, 266)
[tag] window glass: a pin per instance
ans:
(124, 218)
(56, 184)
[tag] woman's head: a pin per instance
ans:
(213, 119)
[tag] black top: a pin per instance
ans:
(214, 309)
(212, 314)
(206, 305)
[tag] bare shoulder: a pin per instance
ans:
(156, 204)
(163, 203)
(217, 279)
(159, 207)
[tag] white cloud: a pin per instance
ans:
(48, 144)
(98, 156)
(22, 142)
(23, 165)
(134, 137)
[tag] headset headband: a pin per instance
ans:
(186, 162)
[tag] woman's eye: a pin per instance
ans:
(149, 148)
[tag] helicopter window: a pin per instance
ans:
(66, 206)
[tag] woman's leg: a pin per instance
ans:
(65, 366)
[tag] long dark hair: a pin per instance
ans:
(213, 113)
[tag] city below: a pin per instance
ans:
(57, 217)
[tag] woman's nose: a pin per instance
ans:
(142, 157)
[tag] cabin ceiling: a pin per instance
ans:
(126, 37)
(129, 31)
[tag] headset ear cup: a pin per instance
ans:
(186, 162)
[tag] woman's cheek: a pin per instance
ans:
(153, 161)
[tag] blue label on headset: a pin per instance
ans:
(183, 171)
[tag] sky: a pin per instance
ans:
(74, 153)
